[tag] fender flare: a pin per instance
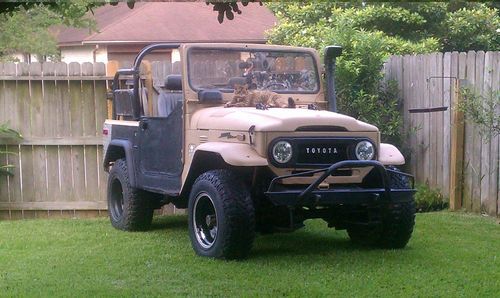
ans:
(235, 154)
(220, 155)
(389, 155)
(111, 155)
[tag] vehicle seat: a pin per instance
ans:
(171, 96)
(237, 81)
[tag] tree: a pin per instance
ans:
(25, 26)
(457, 25)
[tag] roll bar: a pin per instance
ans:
(135, 71)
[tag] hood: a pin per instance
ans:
(273, 119)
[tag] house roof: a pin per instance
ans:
(179, 22)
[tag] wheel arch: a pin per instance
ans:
(203, 161)
(119, 149)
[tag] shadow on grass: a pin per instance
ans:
(170, 222)
(302, 242)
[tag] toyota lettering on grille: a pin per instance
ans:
(321, 150)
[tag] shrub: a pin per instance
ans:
(428, 199)
(475, 28)
(482, 110)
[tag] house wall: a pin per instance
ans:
(124, 54)
(84, 53)
(27, 58)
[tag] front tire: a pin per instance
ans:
(129, 208)
(397, 222)
(221, 216)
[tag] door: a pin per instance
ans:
(159, 153)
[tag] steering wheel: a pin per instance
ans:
(282, 85)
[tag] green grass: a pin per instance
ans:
(450, 254)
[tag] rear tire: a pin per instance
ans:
(129, 208)
(221, 216)
(397, 220)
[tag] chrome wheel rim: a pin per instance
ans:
(205, 220)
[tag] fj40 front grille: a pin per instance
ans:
(316, 152)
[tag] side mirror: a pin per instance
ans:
(209, 95)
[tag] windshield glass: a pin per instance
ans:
(281, 72)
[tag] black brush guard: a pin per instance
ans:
(312, 196)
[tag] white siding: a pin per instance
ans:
(101, 55)
(82, 54)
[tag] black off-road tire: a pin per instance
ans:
(129, 208)
(397, 222)
(223, 194)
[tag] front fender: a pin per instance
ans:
(235, 154)
(389, 155)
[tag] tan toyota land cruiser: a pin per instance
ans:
(248, 139)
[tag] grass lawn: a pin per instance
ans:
(450, 254)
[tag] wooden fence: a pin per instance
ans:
(431, 80)
(59, 109)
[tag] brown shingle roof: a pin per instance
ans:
(171, 22)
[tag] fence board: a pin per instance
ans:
(78, 174)
(493, 200)
(439, 122)
(478, 140)
(4, 180)
(486, 149)
(427, 133)
(470, 167)
(410, 90)
(448, 63)
(38, 129)
(52, 111)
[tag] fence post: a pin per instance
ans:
(457, 150)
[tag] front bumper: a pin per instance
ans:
(312, 196)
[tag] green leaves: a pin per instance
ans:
(7, 133)
(482, 110)
(472, 29)
(31, 28)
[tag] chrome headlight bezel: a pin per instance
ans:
(286, 150)
(368, 150)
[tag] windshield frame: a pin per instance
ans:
(263, 49)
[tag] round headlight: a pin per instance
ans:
(282, 152)
(365, 150)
